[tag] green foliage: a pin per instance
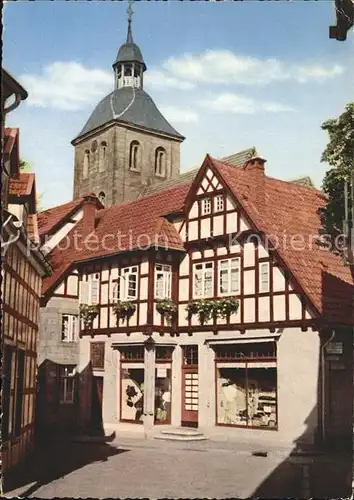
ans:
(124, 309)
(206, 309)
(339, 154)
(167, 308)
(87, 314)
(25, 167)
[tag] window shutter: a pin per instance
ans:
(84, 292)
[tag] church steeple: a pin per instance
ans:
(129, 65)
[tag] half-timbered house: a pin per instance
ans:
(23, 266)
(212, 303)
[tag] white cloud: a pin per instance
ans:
(234, 103)
(224, 66)
(67, 85)
(179, 115)
(160, 80)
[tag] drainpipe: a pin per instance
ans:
(323, 385)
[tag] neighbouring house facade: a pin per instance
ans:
(23, 267)
(208, 303)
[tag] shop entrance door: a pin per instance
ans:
(190, 386)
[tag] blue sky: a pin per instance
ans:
(227, 75)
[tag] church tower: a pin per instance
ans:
(126, 145)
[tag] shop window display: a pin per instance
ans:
(247, 393)
(163, 394)
(132, 394)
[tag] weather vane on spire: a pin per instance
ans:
(130, 16)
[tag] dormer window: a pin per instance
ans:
(160, 162)
(134, 156)
(102, 157)
(86, 164)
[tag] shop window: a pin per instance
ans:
(229, 276)
(247, 386)
(219, 203)
(133, 353)
(163, 394)
(132, 393)
(97, 350)
(69, 327)
(164, 353)
(264, 277)
(206, 206)
(162, 281)
(203, 279)
(66, 384)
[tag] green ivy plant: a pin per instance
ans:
(124, 309)
(206, 309)
(167, 308)
(87, 314)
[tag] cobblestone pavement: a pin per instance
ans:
(134, 468)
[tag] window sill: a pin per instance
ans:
(97, 369)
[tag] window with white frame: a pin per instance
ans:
(264, 277)
(66, 383)
(69, 327)
(219, 203)
(206, 206)
(162, 281)
(90, 289)
(130, 283)
(203, 279)
(229, 276)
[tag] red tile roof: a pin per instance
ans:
(289, 211)
(10, 135)
(21, 185)
(49, 219)
(32, 228)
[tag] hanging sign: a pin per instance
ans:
(335, 348)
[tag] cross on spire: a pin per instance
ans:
(130, 16)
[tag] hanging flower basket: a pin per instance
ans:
(124, 309)
(206, 309)
(227, 306)
(87, 314)
(167, 308)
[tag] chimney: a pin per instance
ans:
(256, 171)
(90, 205)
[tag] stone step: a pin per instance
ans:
(174, 437)
(181, 434)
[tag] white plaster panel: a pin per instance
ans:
(295, 307)
(143, 288)
(104, 317)
(249, 310)
(218, 225)
(204, 183)
(157, 317)
(114, 273)
(105, 274)
(230, 204)
(60, 289)
(209, 174)
(193, 230)
(235, 247)
(208, 253)
(249, 282)
(205, 228)
(308, 314)
(144, 266)
(221, 251)
(264, 309)
(231, 223)
(244, 226)
(183, 290)
(196, 255)
(262, 252)
(279, 307)
(200, 191)
(104, 294)
(194, 211)
(183, 232)
(72, 285)
(184, 266)
(182, 316)
(278, 280)
(236, 317)
(248, 254)
(143, 313)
